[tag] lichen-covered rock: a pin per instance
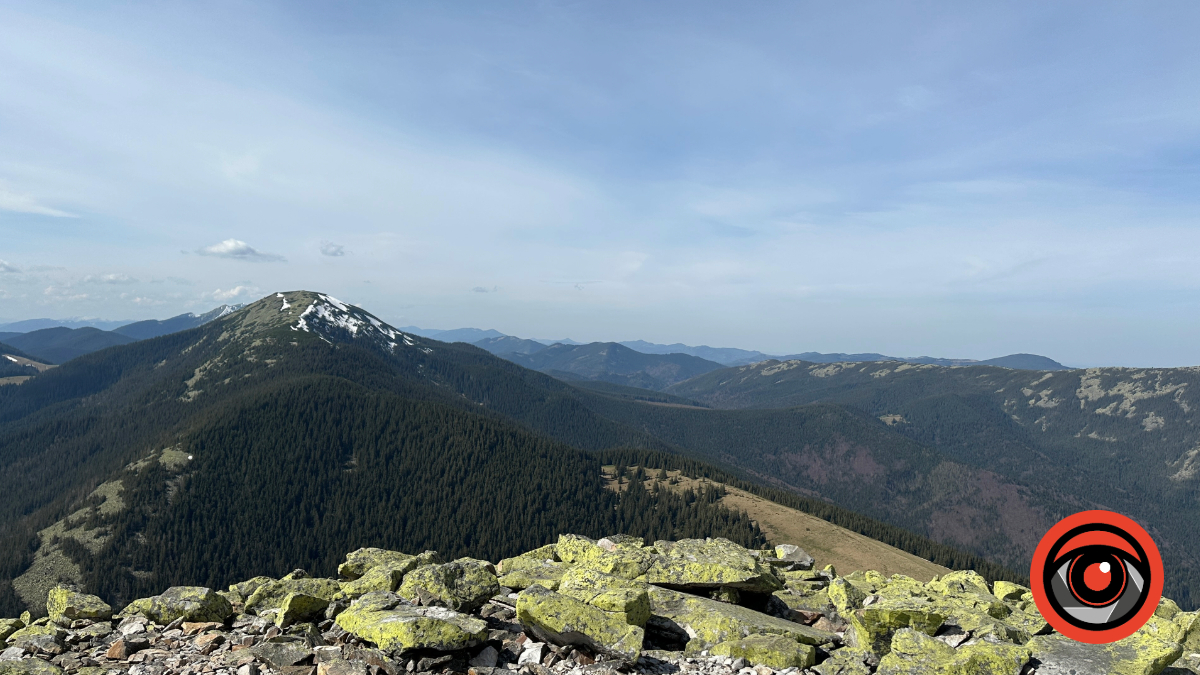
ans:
(1008, 591)
(1013, 628)
(803, 582)
(563, 620)
(48, 639)
(709, 564)
(791, 557)
(614, 541)
(626, 562)
(726, 594)
(378, 578)
(774, 651)
(9, 626)
(540, 572)
(64, 606)
(874, 626)
(689, 617)
(534, 558)
(270, 595)
(1147, 652)
(845, 596)
(29, 666)
(377, 601)
(35, 631)
(965, 581)
(358, 562)
(190, 603)
(915, 653)
(298, 608)
(406, 628)
(463, 585)
(1189, 626)
(630, 599)
(1167, 608)
(805, 608)
(247, 588)
(281, 654)
(845, 661)
(98, 630)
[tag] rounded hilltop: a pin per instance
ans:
(583, 607)
(315, 314)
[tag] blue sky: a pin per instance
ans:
(952, 179)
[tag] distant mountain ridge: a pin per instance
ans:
(144, 330)
(499, 343)
(615, 363)
(61, 344)
(30, 325)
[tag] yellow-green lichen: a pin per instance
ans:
(64, 606)
(411, 628)
(711, 563)
(462, 585)
(564, 620)
(773, 651)
(621, 561)
(914, 653)
(713, 622)
(379, 578)
(269, 596)
(542, 573)
(630, 599)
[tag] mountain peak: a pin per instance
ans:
(319, 314)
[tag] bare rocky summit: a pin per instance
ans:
(584, 607)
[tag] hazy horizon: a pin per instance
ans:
(940, 179)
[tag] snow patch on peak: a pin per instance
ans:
(335, 302)
(327, 313)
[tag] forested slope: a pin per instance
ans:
(312, 426)
(1124, 439)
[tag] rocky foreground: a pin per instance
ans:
(584, 607)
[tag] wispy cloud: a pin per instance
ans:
(110, 279)
(7, 267)
(236, 249)
(235, 292)
(63, 292)
(19, 202)
(332, 250)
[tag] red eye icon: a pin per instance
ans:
(1096, 577)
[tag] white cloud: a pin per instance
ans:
(331, 249)
(110, 279)
(64, 292)
(24, 203)
(237, 249)
(6, 266)
(235, 292)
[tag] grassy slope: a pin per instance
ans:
(829, 544)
